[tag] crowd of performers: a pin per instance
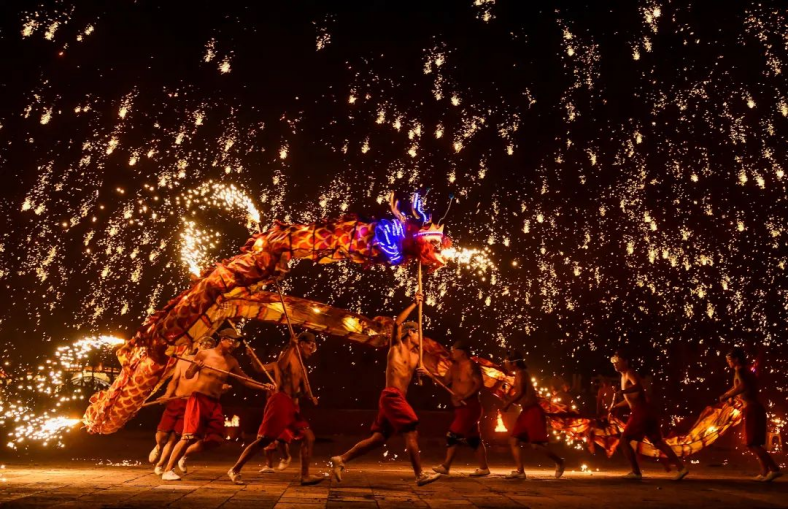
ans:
(193, 420)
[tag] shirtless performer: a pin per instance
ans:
(172, 422)
(204, 422)
(395, 415)
(643, 420)
(754, 417)
(282, 411)
(530, 428)
(464, 377)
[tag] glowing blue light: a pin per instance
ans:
(417, 205)
(388, 238)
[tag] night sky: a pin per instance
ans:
(621, 164)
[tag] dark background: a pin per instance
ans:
(576, 149)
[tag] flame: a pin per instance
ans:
(500, 427)
(233, 422)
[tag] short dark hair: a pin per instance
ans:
(516, 357)
(622, 354)
(737, 353)
(306, 336)
(463, 345)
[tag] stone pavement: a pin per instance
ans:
(372, 484)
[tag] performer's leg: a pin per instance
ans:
(306, 452)
(673, 459)
(167, 450)
(517, 455)
(376, 440)
(200, 446)
(178, 451)
(161, 438)
(544, 449)
(766, 462)
(482, 456)
(284, 451)
(630, 454)
(451, 451)
(269, 452)
(249, 452)
(412, 446)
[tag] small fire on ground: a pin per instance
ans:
(500, 427)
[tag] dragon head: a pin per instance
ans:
(412, 237)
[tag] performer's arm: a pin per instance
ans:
(635, 385)
(407, 311)
(622, 403)
(518, 391)
(476, 382)
(236, 369)
(196, 366)
(736, 390)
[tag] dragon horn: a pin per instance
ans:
(416, 209)
(451, 199)
(393, 205)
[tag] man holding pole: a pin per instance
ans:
(395, 415)
(171, 425)
(281, 418)
(465, 378)
(203, 419)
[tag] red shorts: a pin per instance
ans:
(466, 422)
(395, 415)
(281, 419)
(754, 420)
(530, 426)
(173, 416)
(643, 422)
(203, 418)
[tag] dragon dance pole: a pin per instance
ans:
(419, 318)
(256, 359)
(298, 352)
(228, 373)
(252, 353)
(162, 401)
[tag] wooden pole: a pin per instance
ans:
(419, 318)
(228, 373)
(162, 401)
(252, 352)
(441, 384)
(256, 359)
(298, 352)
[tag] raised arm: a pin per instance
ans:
(407, 311)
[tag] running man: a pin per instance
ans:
(281, 417)
(530, 428)
(172, 422)
(464, 377)
(643, 420)
(204, 422)
(754, 417)
(395, 415)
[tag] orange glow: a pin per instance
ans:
(500, 428)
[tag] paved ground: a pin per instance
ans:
(81, 482)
